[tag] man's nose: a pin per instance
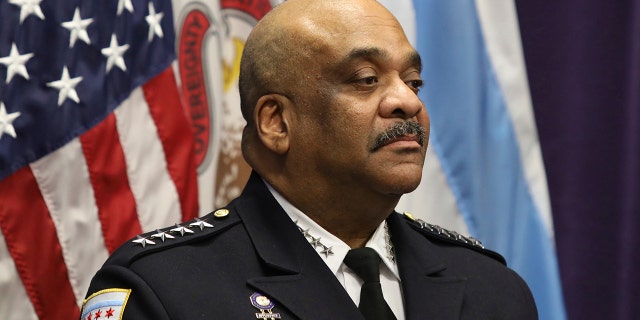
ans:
(400, 101)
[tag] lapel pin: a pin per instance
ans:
(265, 305)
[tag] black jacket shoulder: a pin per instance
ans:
(438, 234)
(196, 230)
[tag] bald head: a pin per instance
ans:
(284, 43)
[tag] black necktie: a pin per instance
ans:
(365, 262)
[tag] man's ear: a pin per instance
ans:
(272, 123)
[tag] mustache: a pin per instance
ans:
(400, 129)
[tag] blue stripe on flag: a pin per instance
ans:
(474, 138)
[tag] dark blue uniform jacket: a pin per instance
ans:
(212, 272)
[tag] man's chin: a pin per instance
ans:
(403, 187)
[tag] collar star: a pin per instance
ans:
(327, 251)
(28, 7)
(114, 54)
(391, 255)
(67, 87)
(153, 19)
(305, 232)
(315, 241)
(15, 63)
(6, 121)
(78, 28)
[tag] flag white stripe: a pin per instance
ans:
(15, 303)
(433, 200)
(405, 14)
(73, 211)
(155, 193)
(499, 24)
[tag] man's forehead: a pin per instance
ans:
(411, 58)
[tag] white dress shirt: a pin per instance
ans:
(333, 251)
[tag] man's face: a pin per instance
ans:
(362, 80)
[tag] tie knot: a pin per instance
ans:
(365, 262)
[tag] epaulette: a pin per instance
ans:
(180, 233)
(450, 236)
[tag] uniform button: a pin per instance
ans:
(221, 213)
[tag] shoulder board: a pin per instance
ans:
(452, 237)
(181, 233)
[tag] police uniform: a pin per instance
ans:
(249, 260)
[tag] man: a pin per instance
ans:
(335, 134)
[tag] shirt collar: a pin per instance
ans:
(331, 249)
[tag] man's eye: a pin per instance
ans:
(368, 80)
(415, 84)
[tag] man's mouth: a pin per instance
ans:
(408, 131)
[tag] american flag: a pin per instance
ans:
(95, 146)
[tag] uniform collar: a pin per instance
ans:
(331, 249)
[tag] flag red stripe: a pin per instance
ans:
(176, 136)
(35, 248)
(108, 174)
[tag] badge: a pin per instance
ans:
(265, 305)
(106, 303)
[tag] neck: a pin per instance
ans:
(354, 229)
(351, 216)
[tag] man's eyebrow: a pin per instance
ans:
(364, 53)
(413, 58)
